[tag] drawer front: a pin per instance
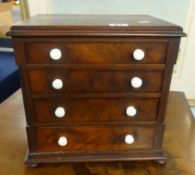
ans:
(93, 81)
(94, 138)
(94, 53)
(69, 111)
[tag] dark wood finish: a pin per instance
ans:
(179, 143)
(96, 25)
(96, 69)
(94, 110)
(95, 53)
(92, 81)
(94, 138)
(171, 60)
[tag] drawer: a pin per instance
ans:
(61, 80)
(68, 110)
(94, 138)
(95, 53)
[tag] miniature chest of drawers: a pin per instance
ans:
(95, 87)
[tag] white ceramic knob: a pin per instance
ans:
(138, 54)
(129, 139)
(131, 111)
(62, 141)
(57, 84)
(136, 82)
(60, 112)
(55, 54)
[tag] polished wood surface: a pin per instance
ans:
(93, 81)
(179, 143)
(77, 110)
(70, 25)
(89, 52)
(94, 138)
(92, 20)
(95, 63)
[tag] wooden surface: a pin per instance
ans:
(53, 20)
(74, 25)
(44, 110)
(115, 52)
(5, 6)
(61, 21)
(83, 72)
(93, 81)
(179, 143)
(96, 138)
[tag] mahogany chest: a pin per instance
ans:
(95, 87)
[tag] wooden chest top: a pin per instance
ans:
(62, 25)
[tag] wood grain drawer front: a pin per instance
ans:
(94, 138)
(93, 81)
(95, 53)
(68, 111)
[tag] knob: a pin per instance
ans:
(55, 54)
(136, 82)
(60, 112)
(129, 139)
(62, 141)
(57, 84)
(138, 54)
(131, 111)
